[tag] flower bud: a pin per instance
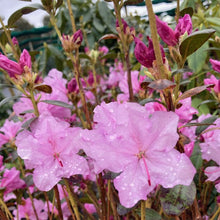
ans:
(215, 65)
(166, 33)
(70, 43)
(10, 66)
(25, 59)
(145, 55)
(15, 41)
(72, 85)
(184, 25)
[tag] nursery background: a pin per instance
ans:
(110, 110)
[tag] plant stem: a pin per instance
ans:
(72, 200)
(75, 61)
(216, 213)
(57, 195)
(125, 49)
(143, 210)
(156, 44)
(53, 22)
(71, 16)
(10, 40)
(177, 11)
(103, 195)
(29, 193)
(36, 111)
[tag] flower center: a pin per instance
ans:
(141, 155)
(56, 156)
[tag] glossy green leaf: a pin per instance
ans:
(194, 41)
(27, 123)
(111, 55)
(145, 101)
(175, 200)
(23, 11)
(188, 10)
(209, 121)
(84, 56)
(197, 60)
(213, 21)
(8, 99)
(98, 25)
(55, 52)
(196, 157)
(107, 15)
(58, 103)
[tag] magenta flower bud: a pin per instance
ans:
(124, 23)
(15, 41)
(215, 65)
(166, 33)
(72, 85)
(25, 59)
(145, 55)
(184, 25)
(10, 66)
(78, 37)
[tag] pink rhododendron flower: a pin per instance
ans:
(58, 159)
(186, 111)
(123, 85)
(11, 180)
(171, 37)
(145, 55)
(116, 74)
(15, 41)
(188, 148)
(90, 208)
(215, 65)
(125, 139)
(211, 146)
(215, 81)
(213, 174)
(9, 131)
(26, 210)
(59, 93)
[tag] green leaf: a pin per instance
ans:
(194, 41)
(121, 210)
(56, 52)
(150, 214)
(197, 60)
(107, 16)
(98, 25)
(23, 11)
(188, 10)
(58, 103)
(111, 55)
(145, 101)
(8, 99)
(175, 200)
(27, 124)
(207, 121)
(213, 21)
(196, 157)
(84, 56)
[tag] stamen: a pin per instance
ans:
(148, 174)
(59, 161)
